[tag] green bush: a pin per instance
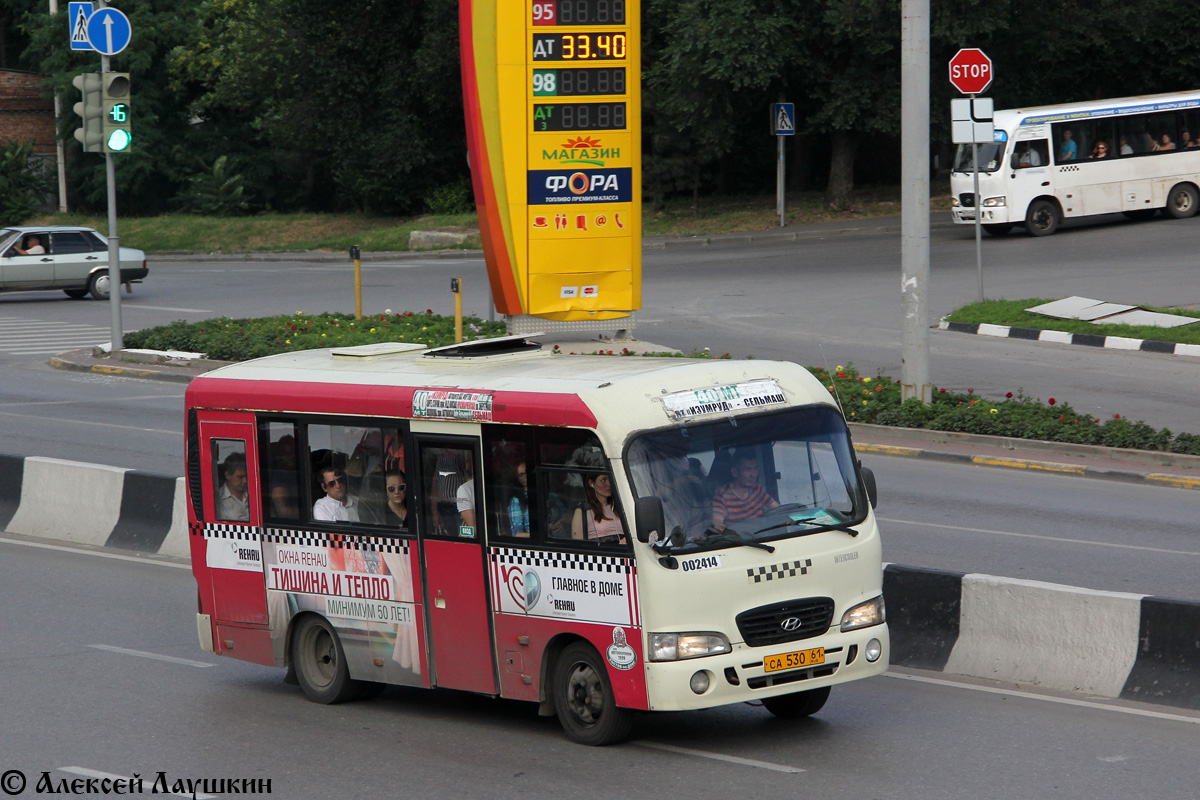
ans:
(453, 198)
(23, 179)
(219, 192)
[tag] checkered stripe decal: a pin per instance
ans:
(541, 558)
(221, 530)
(379, 544)
(776, 572)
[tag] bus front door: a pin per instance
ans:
(456, 595)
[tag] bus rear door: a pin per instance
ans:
(455, 583)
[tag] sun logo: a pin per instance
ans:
(583, 142)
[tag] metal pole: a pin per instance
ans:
(978, 206)
(357, 288)
(914, 198)
(114, 241)
(458, 310)
(59, 150)
(781, 190)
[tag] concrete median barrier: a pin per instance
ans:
(1106, 644)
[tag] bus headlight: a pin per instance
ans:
(994, 202)
(678, 646)
(864, 615)
(954, 202)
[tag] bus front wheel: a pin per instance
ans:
(1182, 200)
(1042, 219)
(798, 705)
(999, 228)
(321, 663)
(584, 700)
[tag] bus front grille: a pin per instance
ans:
(786, 621)
(967, 199)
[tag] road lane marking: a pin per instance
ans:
(170, 308)
(187, 662)
(91, 403)
(746, 762)
(97, 553)
(1137, 712)
(91, 773)
(1063, 540)
(91, 422)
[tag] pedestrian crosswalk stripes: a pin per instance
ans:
(29, 337)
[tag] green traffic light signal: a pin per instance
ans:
(117, 136)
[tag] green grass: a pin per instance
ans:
(1013, 314)
(337, 232)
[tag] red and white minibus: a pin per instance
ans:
(599, 535)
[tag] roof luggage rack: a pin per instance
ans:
(483, 348)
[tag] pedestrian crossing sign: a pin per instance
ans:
(784, 118)
(77, 20)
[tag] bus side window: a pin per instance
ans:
(509, 477)
(281, 478)
(230, 480)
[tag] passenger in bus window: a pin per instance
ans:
(602, 523)
(1163, 144)
(397, 498)
(1126, 150)
(1068, 149)
(1027, 156)
(337, 505)
(464, 498)
(233, 503)
(1186, 140)
(1100, 150)
(518, 506)
(742, 498)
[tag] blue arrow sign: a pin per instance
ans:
(109, 32)
(77, 19)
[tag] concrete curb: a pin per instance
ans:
(1082, 641)
(1062, 337)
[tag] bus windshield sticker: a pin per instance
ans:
(720, 399)
(445, 404)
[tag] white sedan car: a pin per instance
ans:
(62, 257)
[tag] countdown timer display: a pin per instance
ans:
(602, 45)
(575, 82)
(578, 12)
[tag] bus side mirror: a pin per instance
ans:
(868, 478)
(649, 514)
(1013, 161)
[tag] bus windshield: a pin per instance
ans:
(989, 157)
(748, 480)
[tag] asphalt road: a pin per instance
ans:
(101, 674)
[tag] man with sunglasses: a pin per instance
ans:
(337, 505)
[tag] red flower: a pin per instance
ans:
(878, 388)
(1009, 395)
(970, 391)
(941, 391)
(1051, 401)
(429, 311)
(841, 374)
(1060, 419)
(1116, 416)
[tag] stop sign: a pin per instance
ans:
(971, 71)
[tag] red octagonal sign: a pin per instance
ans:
(971, 71)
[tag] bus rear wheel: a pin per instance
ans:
(584, 700)
(1182, 200)
(1042, 218)
(321, 663)
(798, 705)
(999, 228)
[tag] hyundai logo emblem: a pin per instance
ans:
(791, 624)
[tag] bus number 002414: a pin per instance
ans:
(579, 12)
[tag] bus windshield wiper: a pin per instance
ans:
(814, 527)
(730, 535)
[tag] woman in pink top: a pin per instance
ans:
(603, 525)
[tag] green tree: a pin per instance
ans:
(24, 181)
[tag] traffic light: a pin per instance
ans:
(117, 137)
(89, 109)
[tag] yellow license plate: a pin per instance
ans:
(796, 660)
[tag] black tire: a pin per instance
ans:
(798, 705)
(99, 285)
(1140, 213)
(999, 228)
(1182, 201)
(75, 294)
(320, 663)
(583, 699)
(1042, 218)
